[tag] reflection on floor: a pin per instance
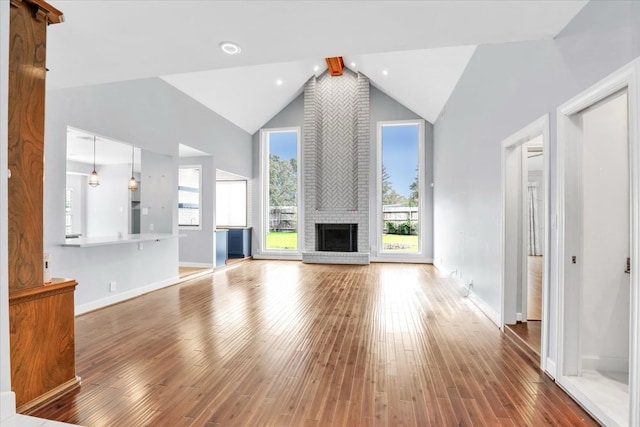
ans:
(189, 271)
(527, 335)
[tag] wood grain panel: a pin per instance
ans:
(290, 344)
(27, 47)
(42, 340)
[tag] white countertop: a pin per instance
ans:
(85, 242)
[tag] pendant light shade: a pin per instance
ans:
(133, 184)
(94, 181)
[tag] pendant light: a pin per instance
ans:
(93, 178)
(133, 184)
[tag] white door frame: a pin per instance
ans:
(512, 226)
(569, 131)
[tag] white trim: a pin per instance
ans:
(7, 397)
(604, 364)
(404, 261)
(551, 368)
(510, 232)
(485, 308)
(195, 264)
(586, 403)
(264, 195)
(124, 296)
(568, 130)
(7, 405)
(397, 256)
(488, 311)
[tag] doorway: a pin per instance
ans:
(598, 242)
(525, 191)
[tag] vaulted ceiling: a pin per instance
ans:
(415, 51)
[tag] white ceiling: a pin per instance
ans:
(106, 41)
(108, 151)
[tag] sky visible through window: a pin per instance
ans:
(399, 152)
(283, 144)
(400, 155)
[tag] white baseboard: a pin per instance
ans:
(279, 257)
(606, 364)
(488, 311)
(551, 369)
(7, 405)
(195, 264)
(404, 260)
(123, 296)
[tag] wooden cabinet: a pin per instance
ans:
(41, 318)
(42, 341)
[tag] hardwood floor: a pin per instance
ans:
(271, 343)
(188, 271)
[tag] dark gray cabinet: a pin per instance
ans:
(239, 242)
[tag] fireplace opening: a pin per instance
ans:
(337, 237)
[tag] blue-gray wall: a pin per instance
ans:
(504, 88)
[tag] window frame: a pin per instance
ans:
(264, 193)
(186, 226)
(398, 256)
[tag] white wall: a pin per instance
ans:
(7, 398)
(604, 326)
(107, 205)
(196, 247)
(504, 88)
(158, 193)
(156, 117)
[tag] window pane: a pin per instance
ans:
(282, 209)
(189, 196)
(231, 203)
(399, 192)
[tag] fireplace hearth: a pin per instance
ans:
(337, 237)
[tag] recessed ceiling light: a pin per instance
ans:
(279, 82)
(353, 64)
(316, 68)
(230, 48)
(385, 73)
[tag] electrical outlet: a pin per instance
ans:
(150, 227)
(140, 246)
(112, 287)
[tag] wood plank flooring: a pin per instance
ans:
(188, 271)
(283, 343)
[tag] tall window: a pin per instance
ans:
(400, 168)
(280, 175)
(189, 198)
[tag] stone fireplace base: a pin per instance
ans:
(315, 257)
